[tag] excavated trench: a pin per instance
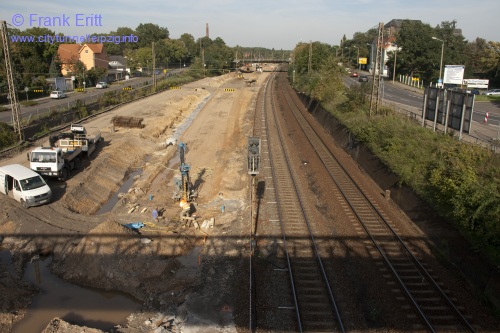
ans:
(82, 305)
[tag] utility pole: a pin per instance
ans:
(309, 64)
(203, 60)
(16, 108)
(154, 63)
(375, 97)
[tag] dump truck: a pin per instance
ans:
(65, 153)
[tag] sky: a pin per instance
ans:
(278, 24)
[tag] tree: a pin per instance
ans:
(149, 32)
(55, 67)
(170, 50)
(144, 57)
(455, 43)
(119, 48)
(192, 49)
(78, 70)
(218, 56)
(491, 60)
(420, 54)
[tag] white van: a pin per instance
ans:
(57, 94)
(24, 185)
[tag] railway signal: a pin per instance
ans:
(253, 155)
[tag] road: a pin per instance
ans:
(406, 96)
(411, 99)
(46, 103)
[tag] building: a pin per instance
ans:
(389, 45)
(392, 27)
(91, 55)
(117, 68)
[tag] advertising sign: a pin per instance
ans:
(454, 74)
(476, 83)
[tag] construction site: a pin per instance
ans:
(147, 215)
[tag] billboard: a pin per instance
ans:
(362, 61)
(453, 109)
(454, 74)
(476, 83)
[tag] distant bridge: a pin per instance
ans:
(263, 61)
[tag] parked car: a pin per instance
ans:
(101, 85)
(363, 78)
(492, 92)
(474, 92)
(354, 74)
(57, 94)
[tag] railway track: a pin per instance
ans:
(312, 298)
(429, 298)
(303, 259)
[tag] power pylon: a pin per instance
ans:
(16, 108)
(375, 97)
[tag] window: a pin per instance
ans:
(32, 183)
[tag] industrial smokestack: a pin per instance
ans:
(207, 31)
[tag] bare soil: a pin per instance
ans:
(188, 279)
(100, 252)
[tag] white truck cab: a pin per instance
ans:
(24, 185)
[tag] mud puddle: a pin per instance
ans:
(74, 304)
(127, 184)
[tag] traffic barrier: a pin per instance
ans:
(80, 89)
(127, 88)
(486, 117)
(38, 90)
(174, 87)
(228, 89)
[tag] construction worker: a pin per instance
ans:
(155, 214)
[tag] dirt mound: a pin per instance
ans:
(60, 326)
(104, 175)
(114, 257)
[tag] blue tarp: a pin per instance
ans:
(134, 225)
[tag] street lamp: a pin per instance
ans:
(395, 57)
(359, 65)
(442, 54)
(349, 55)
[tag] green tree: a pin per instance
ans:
(420, 54)
(455, 44)
(192, 49)
(149, 32)
(169, 52)
(217, 55)
(119, 48)
(55, 67)
(144, 58)
(78, 70)
(96, 74)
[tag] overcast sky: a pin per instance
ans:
(278, 24)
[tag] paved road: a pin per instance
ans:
(411, 99)
(43, 104)
(408, 98)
